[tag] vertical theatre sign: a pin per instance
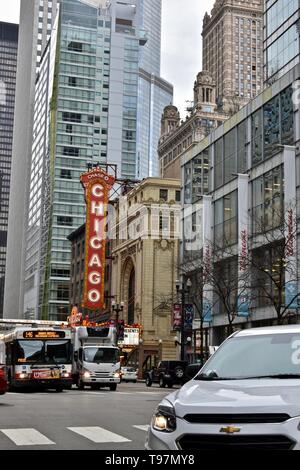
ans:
(97, 185)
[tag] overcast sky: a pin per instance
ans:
(181, 42)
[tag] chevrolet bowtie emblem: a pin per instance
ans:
(230, 430)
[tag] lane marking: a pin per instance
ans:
(98, 435)
(142, 427)
(27, 437)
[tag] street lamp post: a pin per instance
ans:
(117, 308)
(183, 289)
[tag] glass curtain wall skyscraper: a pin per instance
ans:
(104, 86)
(154, 93)
(86, 109)
(281, 39)
(36, 20)
(8, 71)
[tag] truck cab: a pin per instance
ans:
(96, 357)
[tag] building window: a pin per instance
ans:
(230, 167)
(283, 50)
(163, 194)
(279, 12)
(267, 201)
(271, 127)
(177, 196)
(218, 170)
(257, 134)
(65, 174)
(287, 116)
(72, 81)
(242, 154)
(225, 224)
(64, 220)
(75, 46)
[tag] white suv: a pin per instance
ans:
(245, 397)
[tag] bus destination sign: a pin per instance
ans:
(39, 334)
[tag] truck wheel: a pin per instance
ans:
(10, 386)
(113, 387)
(162, 383)
(179, 372)
(170, 385)
(59, 389)
(148, 381)
(80, 384)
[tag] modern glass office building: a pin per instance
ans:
(36, 21)
(281, 37)
(254, 183)
(154, 93)
(8, 72)
(86, 111)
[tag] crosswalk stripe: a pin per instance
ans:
(142, 427)
(98, 435)
(27, 437)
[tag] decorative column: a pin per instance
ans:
(243, 250)
(207, 237)
(291, 282)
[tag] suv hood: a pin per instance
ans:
(238, 396)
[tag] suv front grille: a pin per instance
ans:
(237, 418)
(216, 442)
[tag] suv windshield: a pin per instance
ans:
(272, 355)
(101, 355)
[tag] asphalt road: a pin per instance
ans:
(80, 420)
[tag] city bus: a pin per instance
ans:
(38, 357)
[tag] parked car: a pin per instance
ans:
(245, 397)
(167, 373)
(3, 377)
(129, 374)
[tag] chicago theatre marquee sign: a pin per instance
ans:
(97, 185)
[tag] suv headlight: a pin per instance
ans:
(164, 419)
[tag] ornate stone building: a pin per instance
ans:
(178, 136)
(233, 50)
(144, 267)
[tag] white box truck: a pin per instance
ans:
(96, 357)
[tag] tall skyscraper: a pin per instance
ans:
(154, 92)
(8, 71)
(36, 20)
(86, 110)
(233, 50)
(104, 89)
(281, 40)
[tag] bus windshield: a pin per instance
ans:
(41, 352)
(101, 355)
